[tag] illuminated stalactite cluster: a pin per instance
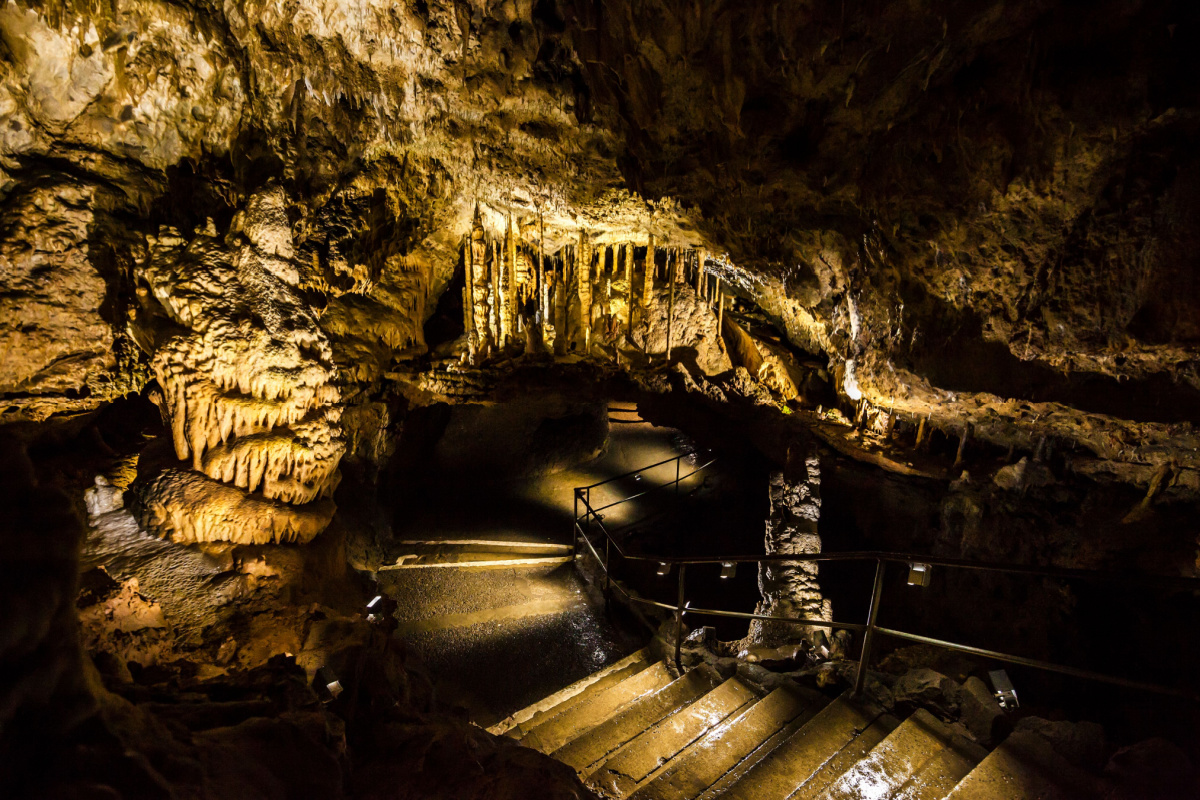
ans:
(245, 377)
(592, 296)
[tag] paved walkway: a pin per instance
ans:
(494, 639)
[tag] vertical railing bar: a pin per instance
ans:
(678, 461)
(679, 618)
(860, 679)
(607, 565)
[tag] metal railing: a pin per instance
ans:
(590, 517)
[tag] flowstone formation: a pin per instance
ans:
(246, 386)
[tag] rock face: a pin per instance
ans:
(245, 375)
(56, 351)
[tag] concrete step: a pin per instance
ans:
(894, 761)
(597, 707)
(542, 707)
(566, 706)
(541, 607)
(650, 753)
(1025, 767)
(482, 545)
(811, 753)
(940, 774)
(587, 752)
(847, 757)
(473, 560)
(728, 744)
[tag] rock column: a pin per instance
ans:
(790, 588)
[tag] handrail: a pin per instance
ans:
(871, 627)
(640, 470)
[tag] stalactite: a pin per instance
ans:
(543, 289)
(508, 286)
(497, 313)
(468, 298)
(562, 336)
(720, 306)
(922, 432)
(480, 291)
(247, 388)
(627, 255)
(648, 279)
(962, 445)
(672, 268)
(583, 271)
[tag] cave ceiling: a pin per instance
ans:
(979, 212)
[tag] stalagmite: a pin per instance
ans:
(790, 588)
(921, 432)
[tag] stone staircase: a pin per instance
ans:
(635, 730)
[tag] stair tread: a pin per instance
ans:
(799, 759)
(846, 758)
(530, 713)
(726, 745)
(620, 775)
(1024, 767)
(894, 760)
(475, 558)
(482, 545)
(596, 707)
(605, 682)
(939, 775)
(585, 753)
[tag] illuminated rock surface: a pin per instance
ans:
(281, 280)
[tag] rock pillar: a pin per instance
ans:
(790, 588)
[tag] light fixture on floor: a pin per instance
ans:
(663, 568)
(1006, 694)
(728, 569)
(371, 605)
(820, 644)
(329, 681)
(918, 574)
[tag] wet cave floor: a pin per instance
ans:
(493, 640)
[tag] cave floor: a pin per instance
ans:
(497, 639)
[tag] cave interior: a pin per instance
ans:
(628, 399)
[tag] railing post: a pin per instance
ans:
(607, 566)
(677, 462)
(860, 679)
(575, 529)
(679, 619)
